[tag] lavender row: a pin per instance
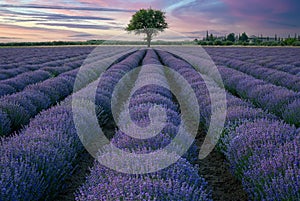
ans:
(44, 55)
(151, 90)
(177, 182)
(278, 100)
(273, 76)
(19, 82)
(35, 163)
(206, 69)
(262, 151)
(283, 59)
(110, 79)
(29, 59)
(36, 75)
(55, 67)
(264, 155)
(60, 64)
(17, 109)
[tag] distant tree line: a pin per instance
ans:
(53, 43)
(244, 39)
(93, 42)
(210, 39)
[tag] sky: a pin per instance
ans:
(80, 20)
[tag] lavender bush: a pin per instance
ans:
(179, 181)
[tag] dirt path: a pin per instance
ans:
(215, 170)
(83, 164)
(74, 181)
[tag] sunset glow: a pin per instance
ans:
(73, 20)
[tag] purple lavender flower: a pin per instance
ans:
(179, 181)
(275, 177)
(260, 139)
(5, 123)
(292, 113)
(6, 89)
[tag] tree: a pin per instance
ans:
(231, 37)
(207, 36)
(244, 37)
(149, 22)
(290, 41)
(211, 37)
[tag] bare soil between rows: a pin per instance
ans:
(215, 170)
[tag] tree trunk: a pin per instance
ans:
(148, 39)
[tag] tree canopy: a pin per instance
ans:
(244, 37)
(231, 37)
(149, 22)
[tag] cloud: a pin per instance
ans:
(80, 26)
(23, 29)
(277, 24)
(64, 17)
(131, 4)
(203, 32)
(254, 17)
(42, 16)
(8, 38)
(26, 34)
(267, 13)
(82, 35)
(190, 17)
(52, 7)
(258, 6)
(22, 20)
(207, 11)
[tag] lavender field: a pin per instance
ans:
(246, 103)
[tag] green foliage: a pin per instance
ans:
(211, 37)
(244, 37)
(228, 42)
(244, 40)
(290, 41)
(231, 37)
(202, 43)
(149, 22)
(218, 42)
(296, 43)
(245, 43)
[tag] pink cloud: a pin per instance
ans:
(94, 2)
(253, 9)
(34, 34)
(117, 4)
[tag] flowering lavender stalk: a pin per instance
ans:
(179, 181)
(275, 177)
(21, 81)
